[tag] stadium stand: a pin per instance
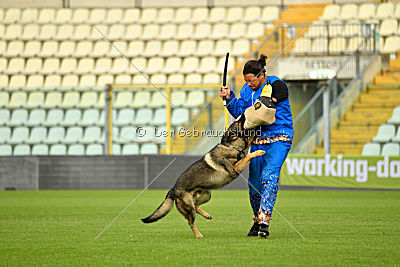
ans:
(345, 27)
(55, 64)
(54, 67)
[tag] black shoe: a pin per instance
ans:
(254, 230)
(263, 230)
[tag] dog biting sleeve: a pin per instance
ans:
(262, 112)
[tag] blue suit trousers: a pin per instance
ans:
(264, 177)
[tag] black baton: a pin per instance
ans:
(224, 77)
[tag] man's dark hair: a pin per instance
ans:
(255, 66)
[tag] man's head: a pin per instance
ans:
(254, 72)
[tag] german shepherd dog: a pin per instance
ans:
(217, 168)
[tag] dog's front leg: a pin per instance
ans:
(241, 164)
(229, 165)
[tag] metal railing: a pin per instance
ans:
(351, 69)
(360, 42)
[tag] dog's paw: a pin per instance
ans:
(208, 217)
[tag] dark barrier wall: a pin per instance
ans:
(97, 172)
(20, 173)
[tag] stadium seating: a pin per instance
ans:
(385, 133)
(37, 135)
(371, 149)
(49, 53)
(396, 139)
(36, 117)
(58, 150)
(4, 116)
(55, 135)
(130, 149)
(391, 149)
(70, 34)
(5, 134)
(21, 149)
(40, 149)
(5, 150)
(347, 21)
(19, 135)
(18, 117)
(76, 150)
(395, 119)
(94, 149)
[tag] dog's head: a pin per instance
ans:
(237, 136)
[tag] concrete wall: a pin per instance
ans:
(96, 172)
(19, 173)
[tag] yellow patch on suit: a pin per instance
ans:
(267, 91)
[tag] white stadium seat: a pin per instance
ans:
(150, 32)
(30, 32)
(348, 12)
(217, 14)
(366, 11)
(165, 15)
(385, 10)
(97, 15)
(219, 31)
(13, 32)
(12, 15)
(47, 32)
(131, 15)
(184, 31)
(251, 13)
(46, 15)
(269, 14)
(63, 15)
(114, 16)
(169, 48)
(234, 14)
(28, 15)
(200, 14)
(148, 15)
(182, 15)
(202, 31)
(80, 15)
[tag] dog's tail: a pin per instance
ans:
(162, 210)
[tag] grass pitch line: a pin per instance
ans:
(133, 200)
(280, 214)
(122, 54)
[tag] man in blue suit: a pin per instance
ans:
(275, 138)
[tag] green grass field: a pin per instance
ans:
(59, 227)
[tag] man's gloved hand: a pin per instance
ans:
(225, 91)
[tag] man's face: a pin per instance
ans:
(254, 82)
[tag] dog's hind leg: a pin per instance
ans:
(241, 164)
(202, 197)
(186, 207)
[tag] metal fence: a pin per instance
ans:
(353, 66)
(359, 42)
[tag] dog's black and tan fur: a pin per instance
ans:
(217, 168)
